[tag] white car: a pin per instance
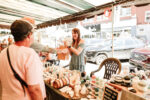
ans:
(121, 46)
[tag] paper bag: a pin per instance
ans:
(62, 53)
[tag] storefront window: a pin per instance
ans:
(147, 16)
(125, 12)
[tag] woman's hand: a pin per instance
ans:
(65, 44)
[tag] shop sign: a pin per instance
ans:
(107, 12)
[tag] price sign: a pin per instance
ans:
(110, 94)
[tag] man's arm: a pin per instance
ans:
(35, 92)
(35, 80)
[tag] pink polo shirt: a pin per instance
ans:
(27, 64)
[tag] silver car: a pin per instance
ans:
(121, 46)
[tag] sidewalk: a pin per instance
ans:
(92, 66)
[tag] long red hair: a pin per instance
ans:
(77, 31)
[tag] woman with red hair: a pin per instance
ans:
(77, 51)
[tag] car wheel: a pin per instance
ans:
(100, 58)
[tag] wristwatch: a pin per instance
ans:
(69, 46)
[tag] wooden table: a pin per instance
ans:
(137, 96)
(55, 94)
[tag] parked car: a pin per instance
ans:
(121, 46)
(140, 58)
(93, 41)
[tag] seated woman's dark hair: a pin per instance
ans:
(20, 30)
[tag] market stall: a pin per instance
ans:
(63, 84)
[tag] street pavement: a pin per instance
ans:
(92, 66)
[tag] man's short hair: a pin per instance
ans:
(20, 30)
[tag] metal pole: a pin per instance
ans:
(112, 30)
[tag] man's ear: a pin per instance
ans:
(29, 35)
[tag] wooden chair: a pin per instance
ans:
(111, 67)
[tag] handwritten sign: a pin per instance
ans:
(110, 94)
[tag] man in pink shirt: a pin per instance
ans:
(26, 64)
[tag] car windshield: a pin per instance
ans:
(118, 42)
(93, 41)
(105, 42)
